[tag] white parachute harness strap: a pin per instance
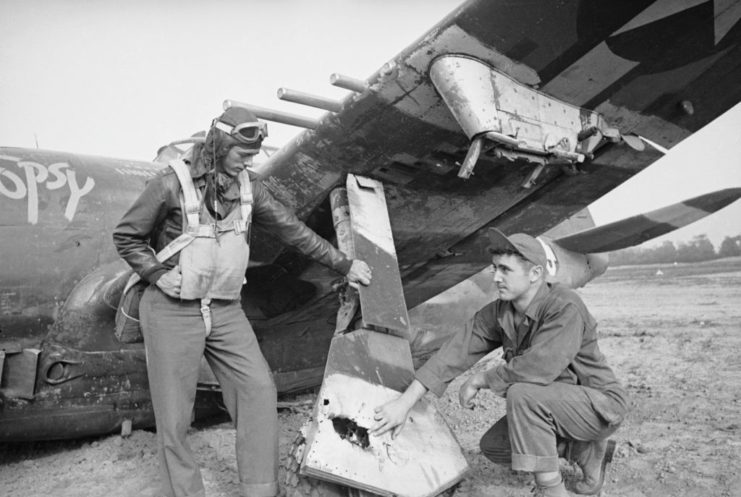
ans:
(192, 209)
(170, 249)
(192, 205)
(206, 314)
(551, 261)
(245, 198)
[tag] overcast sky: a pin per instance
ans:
(120, 79)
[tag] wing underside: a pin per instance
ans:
(645, 67)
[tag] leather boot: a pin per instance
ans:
(592, 458)
(554, 491)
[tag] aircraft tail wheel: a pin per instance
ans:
(126, 428)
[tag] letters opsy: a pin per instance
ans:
(30, 176)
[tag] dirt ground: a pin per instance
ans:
(671, 332)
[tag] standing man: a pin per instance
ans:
(556, 381)
(192, 305)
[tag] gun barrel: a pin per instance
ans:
(275, 115)
(348, 83)
(302, 98)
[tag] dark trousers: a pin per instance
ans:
(175, 340)
(537, 418)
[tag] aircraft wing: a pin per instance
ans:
(660, 69)
(638, 229)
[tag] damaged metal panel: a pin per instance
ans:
(365, 370)
(374, 357)
(382, 306)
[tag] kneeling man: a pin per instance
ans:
(556, 382)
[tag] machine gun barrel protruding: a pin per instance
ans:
(348, 83)
(316, 101)
(275, 115)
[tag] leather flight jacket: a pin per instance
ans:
(156, 218)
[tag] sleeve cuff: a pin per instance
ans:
(152, 276)
(430, 381)
(495, 381)
(344, 267)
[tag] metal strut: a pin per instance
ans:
(349, 298)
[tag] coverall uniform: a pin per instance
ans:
(555, 379)
(176, 339)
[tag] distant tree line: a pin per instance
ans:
(696, 250)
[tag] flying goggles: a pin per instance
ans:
(249, 132)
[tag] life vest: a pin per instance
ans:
(213, 265)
